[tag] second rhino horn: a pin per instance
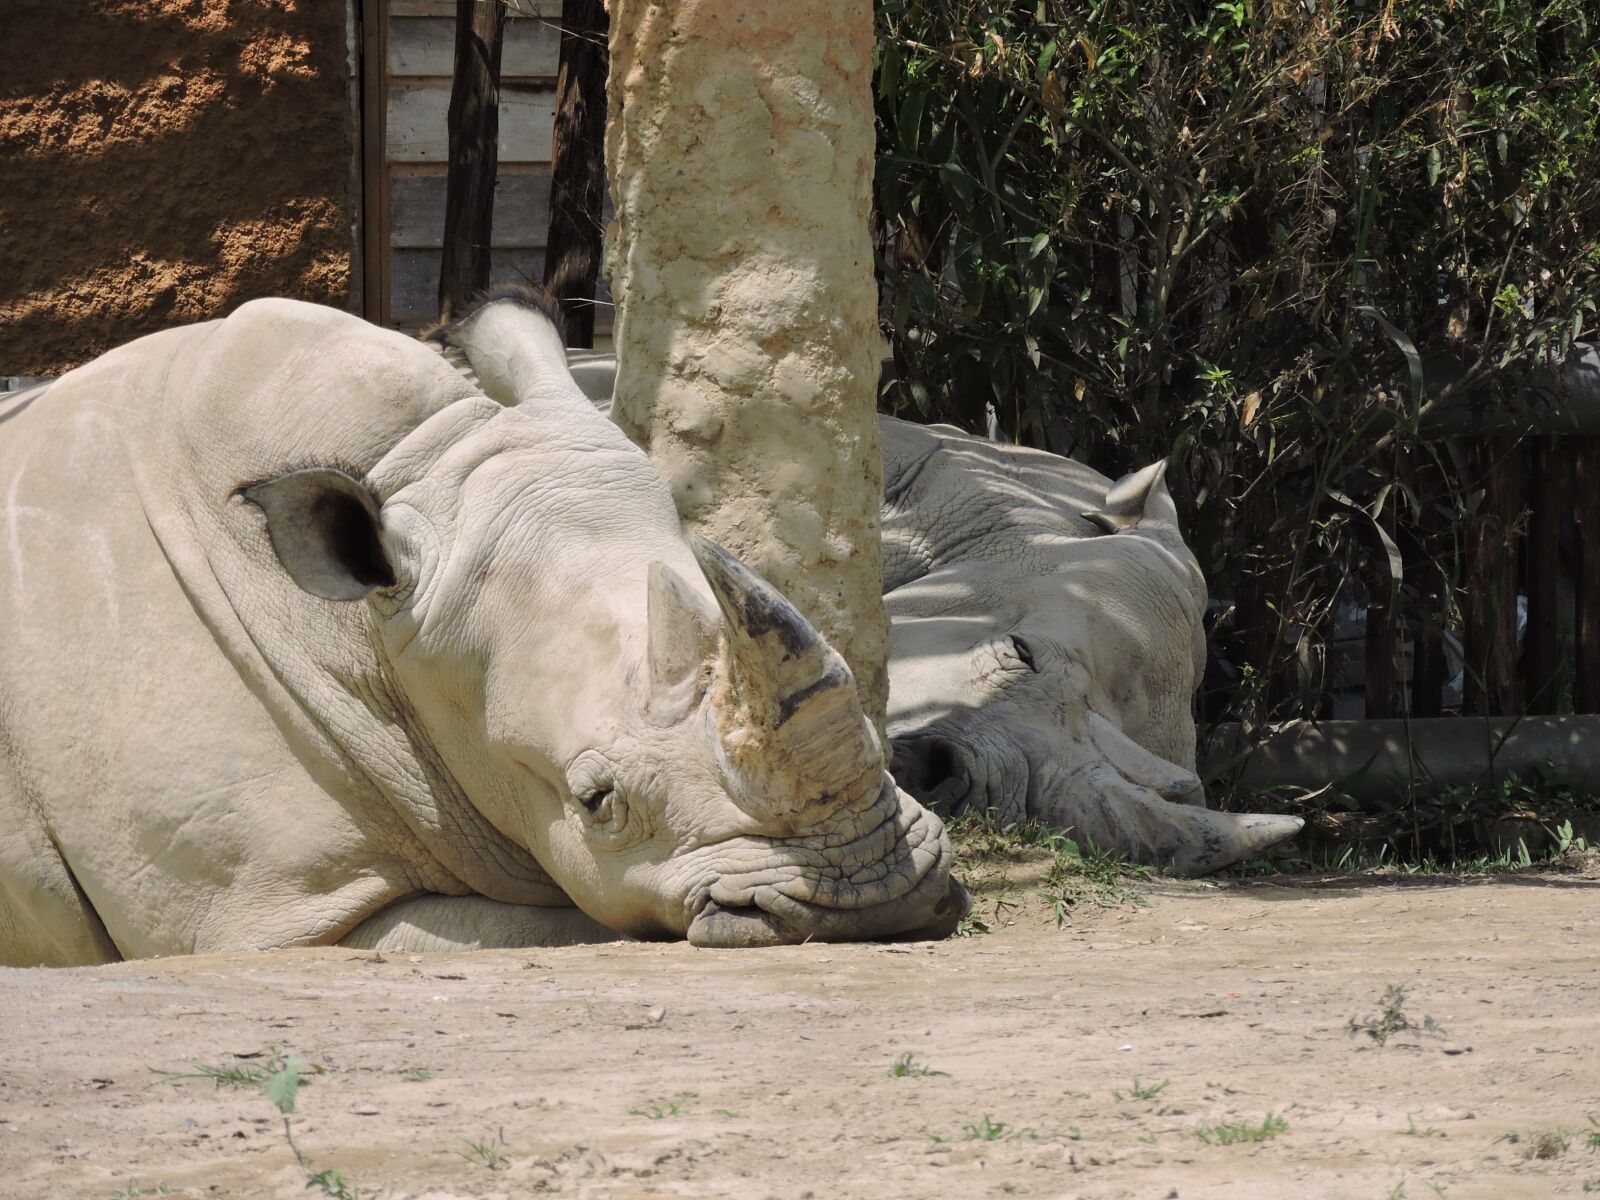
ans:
(791, 723)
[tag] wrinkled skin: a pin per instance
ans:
(308, 640)
(1047, 641)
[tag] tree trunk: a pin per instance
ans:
(578, 168)
(474, 128)
(740, 150)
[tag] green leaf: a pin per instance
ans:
(1047, 56)
(281, 1087)
(1406, 345)
(910, 119)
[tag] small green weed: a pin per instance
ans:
(1411, 1130)
(1225, 1134)
(1392, 1020)
(280, 1077)
(985, 1130)
(973, 924)
(137, 1191)
(728, 1112)
(1141, 1091)
(333, 1183)
(488, 1153)
(417, 1075)
(676, 1106)
(281, 1087)
(1591, 1138)
(907, 1064)
(1566, 841)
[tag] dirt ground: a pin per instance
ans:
(661, 1070)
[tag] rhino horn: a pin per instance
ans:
(1120, 816)
(683, 644)
(792, 725)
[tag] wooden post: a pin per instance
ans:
(578, 167)
(1586, 512)
(1541, 666)
(1489, 594)
(374, 42)
(474, 127)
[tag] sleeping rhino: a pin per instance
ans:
(308, 641)
(1047, 643)
(1046, 623)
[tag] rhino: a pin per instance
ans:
(1047, 631)
(1047, 643)
(310, 641)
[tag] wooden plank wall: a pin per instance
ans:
(419, 59)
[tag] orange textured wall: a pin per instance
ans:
(162, 161)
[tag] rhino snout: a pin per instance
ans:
(933, 911)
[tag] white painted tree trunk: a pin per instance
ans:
(740, 154)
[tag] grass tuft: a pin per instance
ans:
(675, 1106)
(907, 1065)
(1141, 1091)
(1392, 1020)
(488, 1153)
(1226, 1134)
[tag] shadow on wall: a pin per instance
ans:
(163, 161)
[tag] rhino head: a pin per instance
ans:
(1046, 673)
(670, 739)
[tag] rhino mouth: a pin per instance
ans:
(891, 881)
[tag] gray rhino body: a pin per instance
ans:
(307, 641)
(1048, 640)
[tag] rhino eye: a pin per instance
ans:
(597, 801)
(1024, 652)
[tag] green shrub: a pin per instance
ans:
(1233, 234)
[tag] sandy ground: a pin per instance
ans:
(661, 1070)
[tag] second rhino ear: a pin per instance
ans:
(1133, 498)
(325, 529)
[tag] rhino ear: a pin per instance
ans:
(325, 529)
(1132, 498)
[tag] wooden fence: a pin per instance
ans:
(1537, 472)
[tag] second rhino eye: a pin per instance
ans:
(1023, 651)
